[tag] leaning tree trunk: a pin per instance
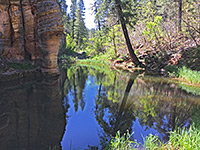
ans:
(126, 36)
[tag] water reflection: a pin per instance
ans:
(32, 116)
(123, 101)
(87, 106)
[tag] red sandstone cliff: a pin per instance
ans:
(31, 30)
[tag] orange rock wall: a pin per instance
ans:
(31, 30)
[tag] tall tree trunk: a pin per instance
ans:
(73, 25)
(114, 43)
(95, 12)
(126, 36)
(99, 25)
(180, 15)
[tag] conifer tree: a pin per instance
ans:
(116, 7)
(81, 7)
(73, 8)
(99, 17)
(80, 30)
(63, 6)
(63, 9)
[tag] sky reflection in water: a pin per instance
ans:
(100, 114)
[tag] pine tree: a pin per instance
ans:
(99, 17)
(63, 6)
(73, 8)
(81, 7)
(80, 30)
(115, 6)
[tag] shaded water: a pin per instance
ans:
(86, 106)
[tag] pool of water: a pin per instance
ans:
(87, 106)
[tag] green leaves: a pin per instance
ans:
(153, 27)
(70, 45)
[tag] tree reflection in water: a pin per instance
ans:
(122, 98)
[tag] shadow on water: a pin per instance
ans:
(87, 106)
(32, 116)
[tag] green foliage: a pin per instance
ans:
(66, 19)
(81, 7)
(122, 142)
(172, 70)
(107, 80)
(80, 31)
(70, 44)
(67, 59)
(185, 139)
(178, 139)
(97, 60)
(191, 19)
(152, 142)
(184, 73)
(72, 14)
(114, 41)
(108, 41)
(63, 6)
(190, 89)
(189, 75)
(149, 105)
(73, 8)
(153, 28)
(95, 44)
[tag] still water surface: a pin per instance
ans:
(87, 106)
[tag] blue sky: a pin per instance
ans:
(89, 17)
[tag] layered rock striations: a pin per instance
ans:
(31, 30)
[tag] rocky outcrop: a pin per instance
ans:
(31, 30)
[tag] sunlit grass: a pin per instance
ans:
(184, 73)
(122, 142)
(183, 139)
(99, 60)
(190, 89)
(189, 75)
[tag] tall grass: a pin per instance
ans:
(122, 142)
(180, 139)
(97, 60)
(190, 88)
(184, 139)
(189, 75)
(184, 73)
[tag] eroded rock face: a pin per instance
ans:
(31, 30)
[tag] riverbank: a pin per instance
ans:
(178, 139)
(186, 67)
(21, 71)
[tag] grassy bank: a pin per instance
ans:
(183, 139)
(179, 139)
(97, 60)
(185, 74)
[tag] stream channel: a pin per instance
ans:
(86, 106)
